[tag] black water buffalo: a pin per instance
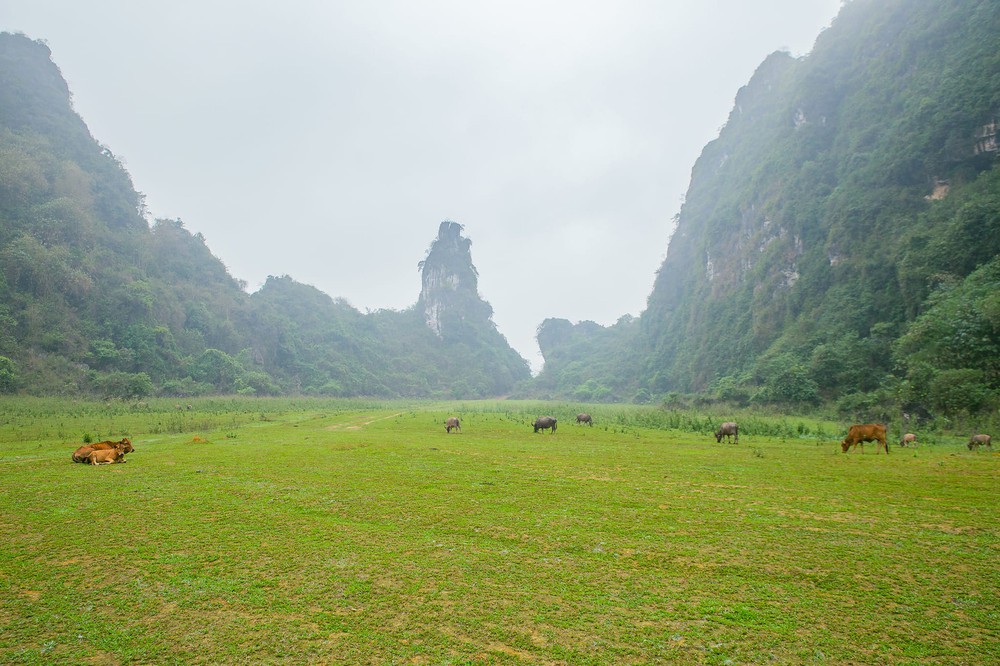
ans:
(543, 422)
(452, 422)
(869, 432)
(980, 440)
(729, 430)
(583, 417)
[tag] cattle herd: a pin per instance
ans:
(108, 452)
(541, 423)
(857, 435)
(875, 432)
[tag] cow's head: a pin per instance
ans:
(125, 445)
(844, 446)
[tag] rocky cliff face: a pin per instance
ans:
(449, 282)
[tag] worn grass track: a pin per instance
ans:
(346, 533)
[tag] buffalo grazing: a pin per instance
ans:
(908, 438)
(583, 417)
(730, 431)
(452, 422)
(544, 422)
(980, 440)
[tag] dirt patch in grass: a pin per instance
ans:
(355, 425)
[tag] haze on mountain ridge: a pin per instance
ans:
(785, 190)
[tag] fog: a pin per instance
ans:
(328, 140)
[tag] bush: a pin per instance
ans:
(731, 389)
(124, 385)
(185, 388)
(642, 397)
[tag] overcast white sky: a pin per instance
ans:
(327, 140)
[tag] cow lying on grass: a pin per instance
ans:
(82, 454)
(106, 456)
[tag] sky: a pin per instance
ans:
(327, 140)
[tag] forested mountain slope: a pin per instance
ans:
(95, 301)
(852, 196)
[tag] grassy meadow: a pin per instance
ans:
(292, 532)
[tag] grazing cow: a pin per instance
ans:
(908, 438)
(452, 422)
(81, 454)
(543, 422)
(730, 431)
(583, 417)
(859, 434)
(106, 456)
(980, 440)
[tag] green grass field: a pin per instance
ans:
(255, 531)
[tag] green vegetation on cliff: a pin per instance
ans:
(93, 300)
(852, 194)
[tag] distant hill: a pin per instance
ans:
(839, 242)
(840, 238)
(93, 300)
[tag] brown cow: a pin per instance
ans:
(583, 417)
(859, 434)
(80, 455)
(729, 430)
(908, 438)
(980, 440)
(106, 456)
(452, 422)
(116, 453)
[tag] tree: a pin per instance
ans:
(955, 392)
(218, 369)
(8, 375)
